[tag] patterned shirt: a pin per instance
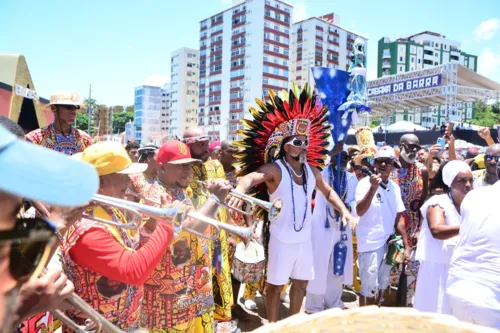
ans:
(75, 142)
(118, 302)
(411, 182)
(219, 251)
(180, 288)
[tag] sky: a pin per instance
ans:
(118, 45)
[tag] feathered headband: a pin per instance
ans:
(296, 112)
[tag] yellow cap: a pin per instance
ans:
(110, 157)
(479, 160)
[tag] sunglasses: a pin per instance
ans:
(30, 246)
(412, 146)
(386, 160)
(298, 143)
(491, 157)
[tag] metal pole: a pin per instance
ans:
(89, 106)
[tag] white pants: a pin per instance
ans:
(331, 298)
(430, 293)
(468, 303)
(294, 260)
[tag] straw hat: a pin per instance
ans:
(66, 98)
(372, 319)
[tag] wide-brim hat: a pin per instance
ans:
(386, 152)
(37, 173)
(66, 98)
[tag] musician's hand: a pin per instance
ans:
(237, 202)
(46, 293)
(220, 188)
(42, 208)
(66, 217)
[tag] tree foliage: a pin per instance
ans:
(486, 115)
(120, 119)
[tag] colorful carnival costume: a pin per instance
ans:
(294, 113)
(410, 181)
(219, 253)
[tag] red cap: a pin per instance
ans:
(212, 146)
(174, 152)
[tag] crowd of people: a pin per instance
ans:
(422, 220)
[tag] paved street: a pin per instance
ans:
(257, 318)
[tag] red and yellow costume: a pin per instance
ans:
(178, 294)
(219, 252)
(107, 271)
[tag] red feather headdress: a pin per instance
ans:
(296, 112)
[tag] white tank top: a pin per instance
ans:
(283, 227)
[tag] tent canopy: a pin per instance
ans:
(18, 99)
(400, 126)
(446, 84)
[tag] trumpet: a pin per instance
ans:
(273, 208)
(245, 234)
(169, 214)
(96, 323)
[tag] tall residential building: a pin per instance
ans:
(184, 90)
(166, 104)
(320, 42)
(420, 51)
(244, 51)
(147, 113)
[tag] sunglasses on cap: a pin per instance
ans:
(491, 157)
(298, 143)
(30, 246)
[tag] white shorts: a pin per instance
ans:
(373, 272)
(289, 261)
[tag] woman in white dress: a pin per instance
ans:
(438, 236)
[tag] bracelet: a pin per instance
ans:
(214, 198)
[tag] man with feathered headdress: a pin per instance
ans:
(284, 143)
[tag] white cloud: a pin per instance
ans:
(299, 11)
(156, 80)
(489, 64)
(487, 29)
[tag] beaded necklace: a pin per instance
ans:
(293, 197)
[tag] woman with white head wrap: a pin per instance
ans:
(438, 235)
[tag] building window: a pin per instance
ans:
(268, 12)
(400, 59)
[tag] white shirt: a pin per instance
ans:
(430, 248)
(476, 258)
(375, 227)
(284, 228)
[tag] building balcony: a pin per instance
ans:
(455, 52)
(428, 48)
(386, 54)
(428, 57)
(386, 64)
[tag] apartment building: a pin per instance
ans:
(244, 51)
(320, 42)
